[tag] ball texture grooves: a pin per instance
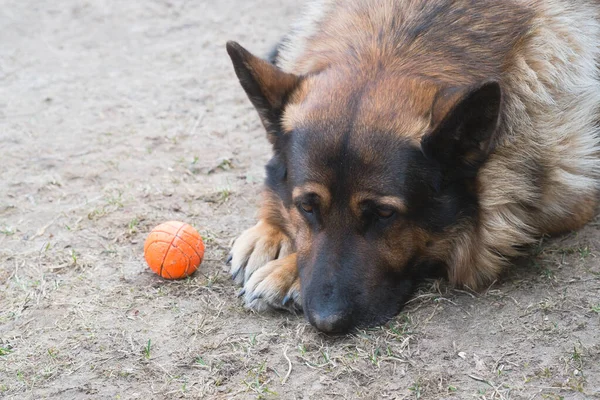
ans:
(174, 250)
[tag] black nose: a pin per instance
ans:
(330, 321)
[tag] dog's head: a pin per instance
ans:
(374, 173)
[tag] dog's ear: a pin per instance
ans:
(267, 86)
(464, 124)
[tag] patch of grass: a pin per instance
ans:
(547, 273)
(389, 351)
(258, 381)
(147, 349)
(48, 372)
(74, 256)
(200, 361)
(173, 139)
(547, 305)
(583, 251)
(208, 237)
(325, 356)
(576, 384)
(577, 355)
(52, 352)
(213, 279)
(224, 165)
(224, 194)
(596, 308)
(133, 225)
(417, 389)
(96, 213)
(302, 349)
(352, 355)
(115, 199)
(219, 196)
(400, 328)
(374, 357)
(8, 230)
(4, 351)
(252, 339)
(545, 373)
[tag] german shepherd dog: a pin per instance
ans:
(413, 138)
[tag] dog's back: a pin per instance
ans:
(444, 40)
(542, 176)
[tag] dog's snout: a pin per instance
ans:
(329, 305)
(331, 322)
(330, 314)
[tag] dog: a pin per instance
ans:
(415, 139)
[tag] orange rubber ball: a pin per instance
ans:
(174, 250)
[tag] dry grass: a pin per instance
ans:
(138, 334)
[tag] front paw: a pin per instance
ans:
(255, 248)
(275, 285)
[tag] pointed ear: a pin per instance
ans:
(464, 123)
(267, 86)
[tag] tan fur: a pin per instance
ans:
(319, 189)
(269, 285)
(552, 99)
(395, 203)
(256, 247)
(274, 214)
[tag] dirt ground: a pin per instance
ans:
(118, 115)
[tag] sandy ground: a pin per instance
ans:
(116, 116)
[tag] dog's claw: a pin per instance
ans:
(241, 292)
(255, 297)
(228, 259)
(286, 300)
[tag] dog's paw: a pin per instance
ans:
(275, 285)
(255, 248)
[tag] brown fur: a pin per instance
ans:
(405, 68)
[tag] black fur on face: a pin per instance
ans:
(360, 258)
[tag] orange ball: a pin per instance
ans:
(174, 250)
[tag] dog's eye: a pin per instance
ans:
(307, 207)
(384, 213)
